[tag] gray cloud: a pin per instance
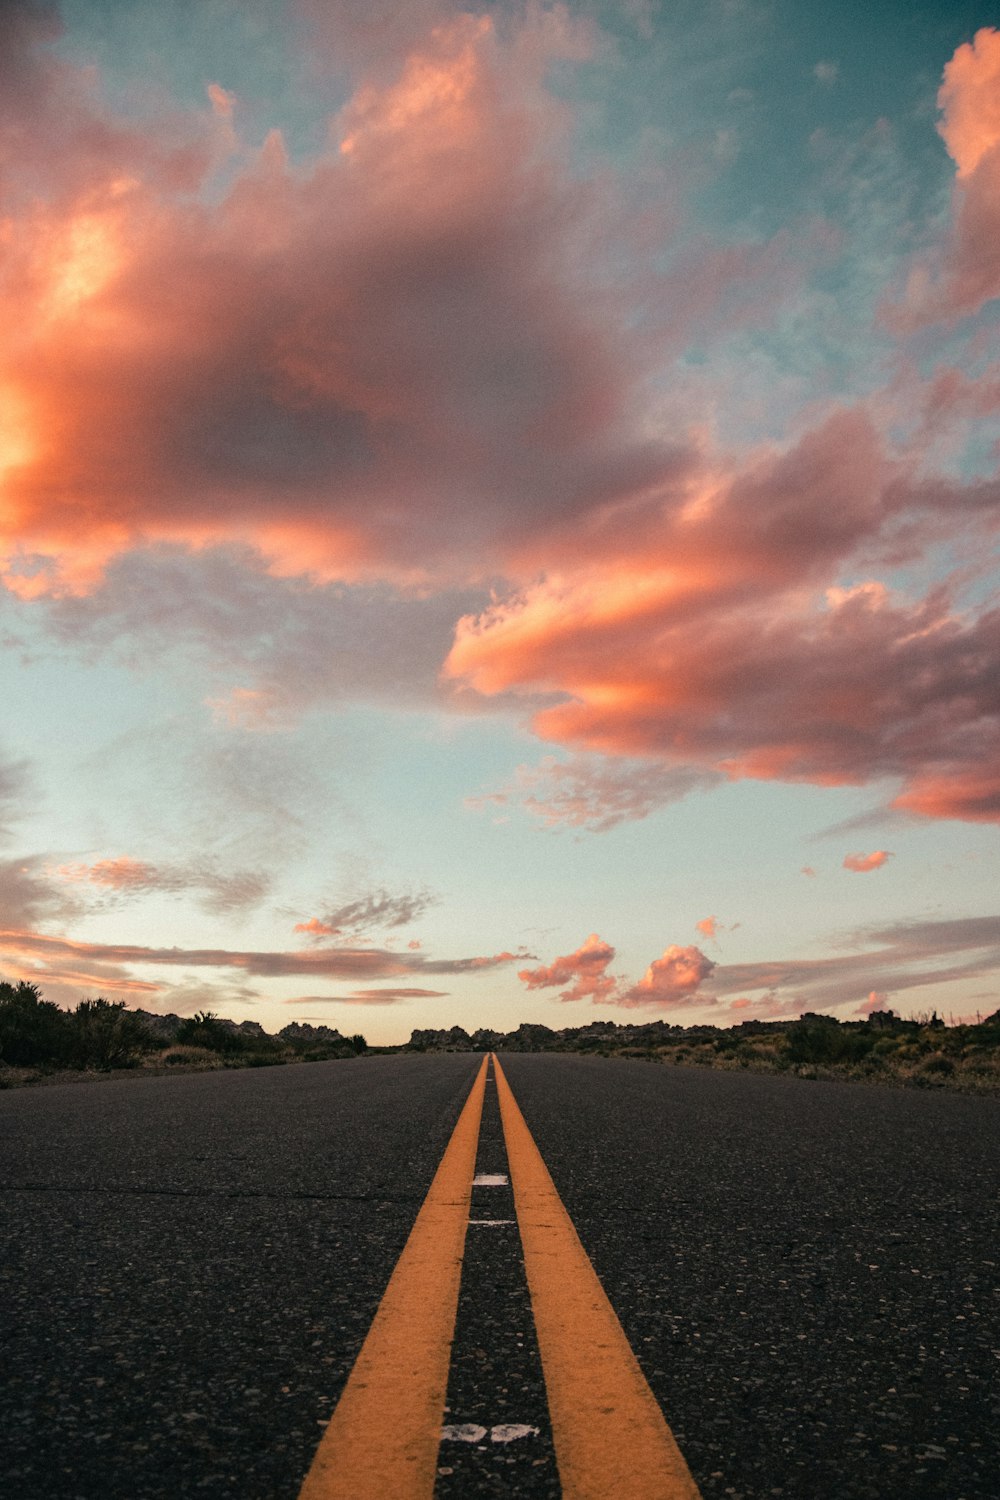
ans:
(373, 912)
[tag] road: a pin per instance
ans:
(189, 1266)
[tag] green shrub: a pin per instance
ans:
(32, 1030)
(821, 1039)
(204, 1029)
(103, 1034)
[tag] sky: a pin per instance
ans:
(498, 509)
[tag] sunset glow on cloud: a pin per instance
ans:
(580, 976)
(454, 495)
(862, 862)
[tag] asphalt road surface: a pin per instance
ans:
(806, 1271)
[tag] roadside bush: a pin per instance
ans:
(204, 1029)
(821, 1039)
(103, 1034)
(32, 1030)
(189, 1057)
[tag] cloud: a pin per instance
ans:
(707, 634)
(708, 926)
(891, 959)
(864, 862)
(15, 793)
(826, 73)
(345, 963)
(969, 99)
(386, 996)
(672, 980)
(363, 341)
(373, 912)
(584, 972)
(964, 273)
(267, 648)
(588, 791)
(877, 1000)
(28, 896)
(220, 892)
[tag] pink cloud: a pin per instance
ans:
(218, 890)
(120, 874)
(707, 634)
(583, 972)
(673, 979)
(863, 862)
(877, 1000)
(297, 398)
(965, 272)
(969, 99)
(370, 997)
(708, 926)
(346, 963)
(387, 996)
(764, 1008)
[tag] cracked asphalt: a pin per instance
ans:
(188, 1266)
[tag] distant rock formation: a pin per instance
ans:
(302, 1031)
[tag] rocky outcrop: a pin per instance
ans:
(303, 1031)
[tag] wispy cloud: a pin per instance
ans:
(344, 963)
(373, 912)
(219, 891)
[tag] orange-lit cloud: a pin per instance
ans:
(583, 973)
(863, 862)
(712, 639)
(966, 272)
(323, 362)
(969, 99)
(402, 362)
(120, 874)
(671, 980)
(708, 926)
(877, 1000)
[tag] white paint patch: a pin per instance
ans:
(492, 1221)
(490, 1179)
(471, 1432)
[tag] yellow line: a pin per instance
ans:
(610, 1436)
(382, 1440)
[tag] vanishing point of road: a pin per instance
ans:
(436, 1276)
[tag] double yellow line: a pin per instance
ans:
(610, 1437)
